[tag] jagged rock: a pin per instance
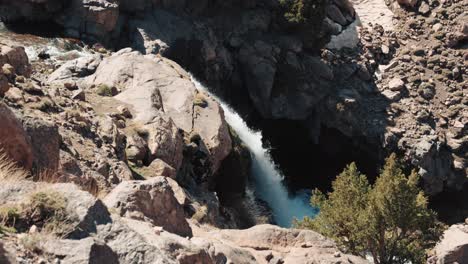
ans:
(84, 251)
(162, 97)
(13, 139)
(453, 248)
(160, 168)
(392, 95)
(79, 95)
(424, 8)
(224, 253)
(69, 164)
(4, 84)
(152, 200)
(73, 69)
(209, 121)
(335, 14)
(84, 210)
(45, 141)
(396, 84)
(137, 148)
(16, 57)
(165, 141)
(292, 245)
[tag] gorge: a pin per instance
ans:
(194, 131)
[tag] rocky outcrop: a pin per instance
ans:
(17, 58)
(13, 139)
(45, 141)
(87, 250)
(151, 200)
(453, 248)
(163, 101)
(272, 244)
(99, 236)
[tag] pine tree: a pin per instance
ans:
(389, 220)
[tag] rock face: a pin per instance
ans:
(453, 248)
(152, 200)
(45, 141)
(162, 100)
(13, 139)
(87, 250)
(116, 239)
(272, 243)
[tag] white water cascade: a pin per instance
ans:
(268, 180)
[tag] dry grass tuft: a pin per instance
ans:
(9, 171)
(44, 209)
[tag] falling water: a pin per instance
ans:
(268, 180)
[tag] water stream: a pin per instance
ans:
(267, 178)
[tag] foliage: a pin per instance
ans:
(46, 210)
(301, 11)
(390, 219)
(9, 171)
(105, 90)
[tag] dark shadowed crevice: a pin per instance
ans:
(307, 165)
(47, 28)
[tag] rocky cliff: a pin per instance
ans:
(129, 152)
(255, 49)
(129, 126)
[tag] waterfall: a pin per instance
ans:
(268, 180)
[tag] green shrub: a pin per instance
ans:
(302, 11)
(45, 209)
(390, 219)
(105, 90)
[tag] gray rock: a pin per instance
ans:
(152, 200)
(84, 251)
(453, 247)
(45, 141)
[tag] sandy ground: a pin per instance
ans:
(373, 11)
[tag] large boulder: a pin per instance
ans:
(164, 99)
(77, 68)
(152, 200)
(45, 141)
(84, 251)
(84, 210)
(16, 57)
(285, 245)
(90, 19)
(453, 248)
(13, 139)
(165, 142)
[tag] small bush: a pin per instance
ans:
(32, 242)
(105, 90)
(200, 214)
(45, 209)
(389, 220)
(45, 105)
(9, 215)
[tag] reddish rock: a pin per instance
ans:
(13, 139)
